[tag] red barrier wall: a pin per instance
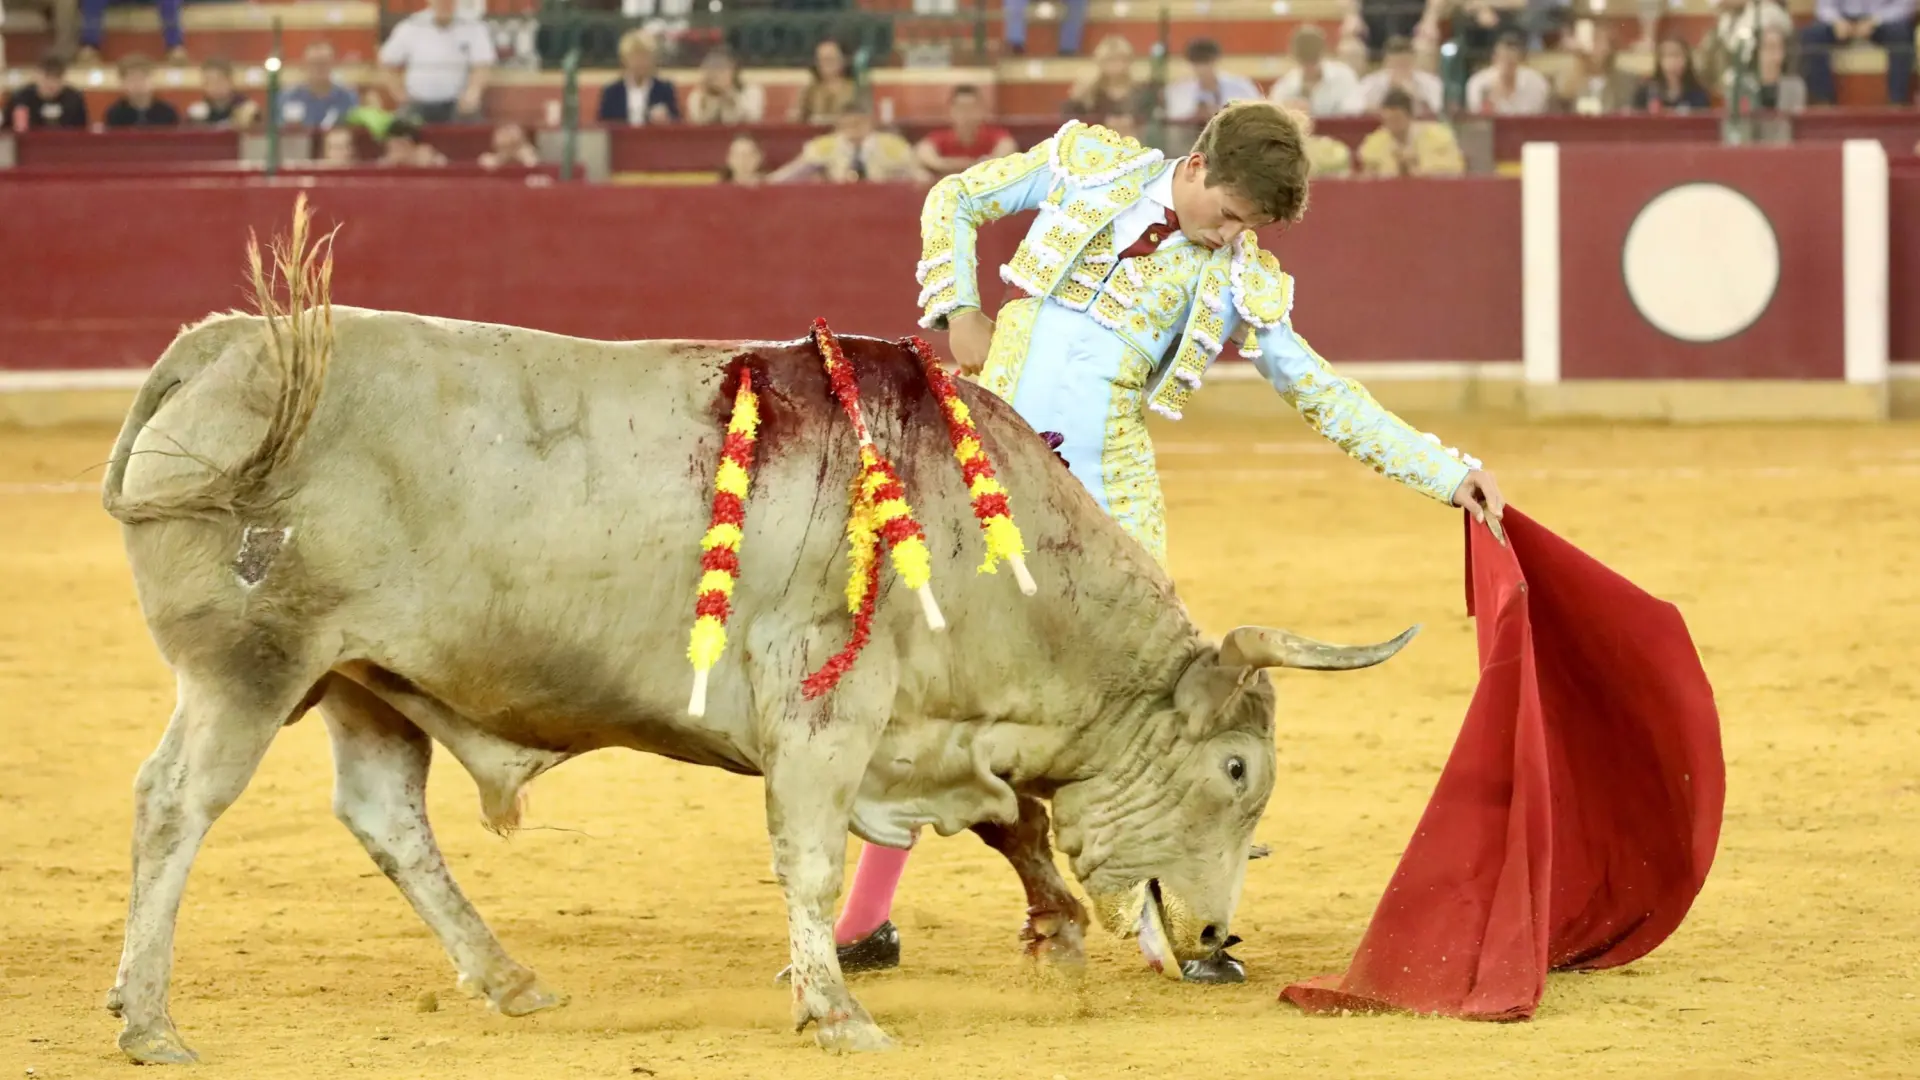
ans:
(1903, 266)
(102, 274)
(1604, 189)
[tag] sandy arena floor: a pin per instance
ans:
(649, 900)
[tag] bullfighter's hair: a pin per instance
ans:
(299, 339)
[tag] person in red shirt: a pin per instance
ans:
(969, 141)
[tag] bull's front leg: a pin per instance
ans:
(813, 772)
(1056, 922)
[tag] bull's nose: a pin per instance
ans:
(1211, 938)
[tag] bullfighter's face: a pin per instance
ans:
(1212, 215)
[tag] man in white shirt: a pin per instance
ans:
(438, 62)
(1397, 70)
(1327, 86)
(1194, 100)
(1507, 87)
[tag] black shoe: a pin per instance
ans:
(877, 951)
(1218, 968)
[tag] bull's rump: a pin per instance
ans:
(511, 519)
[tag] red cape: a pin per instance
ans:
(1577, 817)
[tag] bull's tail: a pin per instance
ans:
(300, 343)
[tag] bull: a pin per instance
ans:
(486, 537)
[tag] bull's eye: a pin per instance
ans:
(1236, 769)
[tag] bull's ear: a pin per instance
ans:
(1263, 647)
(1208, 692)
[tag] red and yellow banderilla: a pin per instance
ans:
(720, 547)
(989, 497)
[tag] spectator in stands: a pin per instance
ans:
(337, 147)
(1398, 72)
(1374, 23)
(404, 146)
(512, 148)
(372, 113)
(1071, 28)
(63, 22)
(1508, 87)
(47, 101)
(220, 104)
(438, 62)
(1674, 86)
(1195, 99)
(1326, 155)
(1735, 38)
(1404, 146)
(93, 14)
(317, 101)
(1593, 84)
(1327, 86)
(1109, 89)
(853, 151)
(639, 96)
(1888, 23)
(1122, 123)
(722, 96)
(1352, 51)
(968, 140)
(1777, 89)
(1542, 17)
(137, 106)
(744, 162)
(1476, 24)
(830, 88)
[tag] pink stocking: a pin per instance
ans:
(870, 901)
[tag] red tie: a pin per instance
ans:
(1150, 240)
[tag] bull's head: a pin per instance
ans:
(1161, 834)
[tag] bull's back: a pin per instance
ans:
(522, 515)
(512, 521)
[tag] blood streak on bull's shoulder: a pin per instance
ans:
(880, 482)
(877, 510)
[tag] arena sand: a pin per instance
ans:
(645, 893)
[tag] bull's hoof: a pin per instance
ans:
(877, 951)
(1055, 942)
(531, 998)
(157, 1045)
(518, 994)
(855, 1034)
(1218, 968)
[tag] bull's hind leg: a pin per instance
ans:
(380, 762)
(219, 732)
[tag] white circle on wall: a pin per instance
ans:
(1701, 262)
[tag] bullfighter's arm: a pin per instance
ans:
(955, 209)
(1339, 408)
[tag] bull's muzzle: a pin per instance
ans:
(1167, 935)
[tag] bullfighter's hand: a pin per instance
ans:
(969, 336)
(1480, 495)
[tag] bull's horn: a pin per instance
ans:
(1260, 646)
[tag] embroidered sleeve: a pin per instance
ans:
(1340, 409)
(955, 209)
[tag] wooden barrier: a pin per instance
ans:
(1387, 271)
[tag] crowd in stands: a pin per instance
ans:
(435, 66)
